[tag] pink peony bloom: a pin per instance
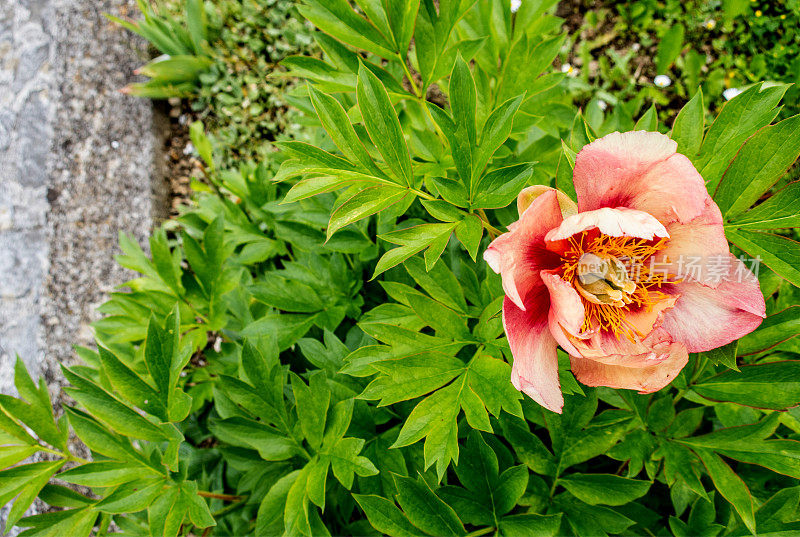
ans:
(609, 279)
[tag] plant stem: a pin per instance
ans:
(408, 76)
(215, 496)
(490, 229)
(482, 531)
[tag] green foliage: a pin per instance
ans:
(320, 350)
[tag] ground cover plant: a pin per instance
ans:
(320, 349)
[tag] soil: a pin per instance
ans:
(180, 162)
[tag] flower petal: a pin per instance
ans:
(530, 193)
(614, 222)
(702, 240)
(520, 254)
(640, 170)
(566, 314)
(705, 318)
(671, 359)
(535, 369)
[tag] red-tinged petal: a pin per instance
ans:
(640, 170)
(520, 254)
(616, 222)
(566, 310)
(671, 359)
(694, 246)
(535, 369)
(705, 318)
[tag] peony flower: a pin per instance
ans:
(662, 81)
(607, 278)
(710, 24)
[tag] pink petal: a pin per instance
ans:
(566, 310)
(702, 239)
(614, 222)
(535, 369)
(520, 254)
(639, 170)
(705, 318)
(671, 359)
(606, 348)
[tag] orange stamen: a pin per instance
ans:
(634, 253)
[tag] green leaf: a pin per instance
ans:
(500, 187)
(434, 419)
(24, 482)
(286, 294)
(689, 126)
(529, 448)
(604, 489)
(337, 18)
(412, 241)
(383, 125)
(470, 232)
(401, 14)
(445, 321)
(488, 378)
(762, 160)
(511, 485)
(725, 355)
(463, 105)
(72, 522)
(439, 282)
(779, 253)
(201, 142)
(730, 486)
(530, 525)
(336, 123)
(425, 510)
(495, 132)
(669, 48)
(739, 119)
(411, 377)
(312, 406)
(346, 461)
(778, 211)
(105, 474)
(270, 444)
(774, 385)
(269, 519)
(648, 121)
(114, 413)
(363, 204)
(775, 329)
(385, 517)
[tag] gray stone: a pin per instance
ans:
(77, 159)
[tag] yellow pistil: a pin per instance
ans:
(612, 276)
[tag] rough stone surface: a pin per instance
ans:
(76, 167)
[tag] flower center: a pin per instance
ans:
(603, 279)
(614, 276)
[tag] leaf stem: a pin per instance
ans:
(215, 496)
(408, 76)
(482, 531)
(490, 229)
